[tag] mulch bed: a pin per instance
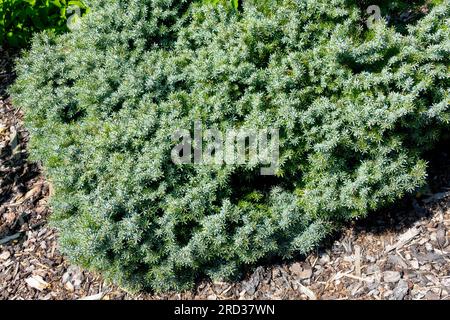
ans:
(402, 252)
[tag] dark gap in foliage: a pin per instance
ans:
(184, 230)
(376, 67)
(244, 182)
(398, 13)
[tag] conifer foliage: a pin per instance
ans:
(356, 109)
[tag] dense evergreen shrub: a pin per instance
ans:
(357, 109)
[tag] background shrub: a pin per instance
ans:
(234, 4)
(19, 19)
(357, 108)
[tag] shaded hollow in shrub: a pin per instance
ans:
(356, 110)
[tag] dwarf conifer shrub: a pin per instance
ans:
(356, 110)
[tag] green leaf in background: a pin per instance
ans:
(233, 4)
(20, 19)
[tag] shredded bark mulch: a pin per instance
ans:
(402, 252)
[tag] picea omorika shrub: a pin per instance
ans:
(356, 109)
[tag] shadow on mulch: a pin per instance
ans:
(397, 218)
(411, 208)
(17, 173)
(7, 74)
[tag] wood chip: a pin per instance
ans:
(306, 291)
(98, 296)
(358, 261)
(441, 236)
(14, 140)
(35, 191)
(5, 255)
(357, 278)
(37, 283)
(391, 276)
(403, 239)
(10, 238)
